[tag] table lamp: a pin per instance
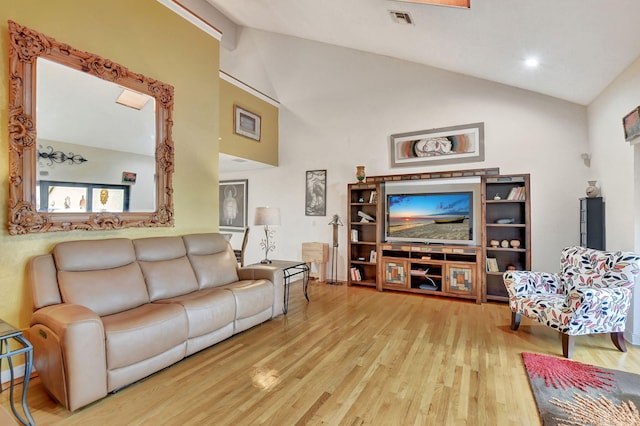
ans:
(267, 216)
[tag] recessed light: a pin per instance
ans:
(132, 99)
(532, 62)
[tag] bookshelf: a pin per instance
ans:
(364, 232)
(506, 226)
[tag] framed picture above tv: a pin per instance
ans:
(446, 145)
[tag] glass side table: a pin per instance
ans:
(9, 333)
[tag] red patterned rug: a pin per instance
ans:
(572, 393)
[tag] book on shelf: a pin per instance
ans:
(492, 264)
(355, 274)
(354, 235)
(373, 197)
(373, 256)
(517, 193)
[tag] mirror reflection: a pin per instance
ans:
(89, 137)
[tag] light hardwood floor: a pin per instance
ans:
(352, 356)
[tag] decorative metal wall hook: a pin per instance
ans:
(60, 157)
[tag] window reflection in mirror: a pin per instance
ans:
(75, 197)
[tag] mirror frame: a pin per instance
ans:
(25, 46)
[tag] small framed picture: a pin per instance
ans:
(246, 123)
(631, 124)
(316, 193)
(233, 204)
(128, 177)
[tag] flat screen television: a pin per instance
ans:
(431, 217)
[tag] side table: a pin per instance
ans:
(317, 253)
(289, 269)
(7, 334)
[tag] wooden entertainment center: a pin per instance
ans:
(462, 271)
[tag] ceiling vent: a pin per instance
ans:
(451, 3)
(401, 17)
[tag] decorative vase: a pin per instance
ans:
(514, 243)
(360, 174)
(592, 190)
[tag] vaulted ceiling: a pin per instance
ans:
(581, 45)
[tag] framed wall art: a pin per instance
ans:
(631, 124)
(128, 177)
(316, 193)
(246, 123)
(233, 204)
(447, 145)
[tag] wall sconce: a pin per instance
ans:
(267, 216)
(60, 157)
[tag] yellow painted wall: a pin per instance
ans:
(148, 38)
(264, 151)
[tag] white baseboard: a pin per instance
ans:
(18, 371)
(633, 338)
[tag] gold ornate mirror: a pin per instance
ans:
(80, 156)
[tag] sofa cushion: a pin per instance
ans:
(252, 297)
(207, 310)
(212, 259)
(91, 255)
(166, 269)
(105, 291)
(169, 278)
(100, 274)
(144, 332)
(159, 248)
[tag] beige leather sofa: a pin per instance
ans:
(110, 312)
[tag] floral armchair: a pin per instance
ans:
(591, 294)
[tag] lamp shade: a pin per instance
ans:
(267, 216)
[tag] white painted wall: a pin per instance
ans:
(616, 164)
(339, 106)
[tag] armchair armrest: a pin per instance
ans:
(521, 283)
(597, 310)
(70, 355)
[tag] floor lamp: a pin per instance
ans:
(335, 222)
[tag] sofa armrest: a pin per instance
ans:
(269, 273)
(521, 283)
(70, 355)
